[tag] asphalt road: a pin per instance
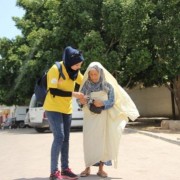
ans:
(25, 155)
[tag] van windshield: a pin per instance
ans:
(33, 102)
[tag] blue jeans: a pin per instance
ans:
(60, 125)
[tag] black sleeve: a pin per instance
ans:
(58, 92)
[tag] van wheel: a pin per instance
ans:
(40, 130)
(21, 125)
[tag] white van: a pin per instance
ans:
(19, 115)
(37, 119)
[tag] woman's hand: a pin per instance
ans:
(78, 95)
(83, 100)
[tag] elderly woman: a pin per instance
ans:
(106, 110)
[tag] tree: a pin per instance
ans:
(151, 44)
(137, 41)
(29, 53)
(166, 41)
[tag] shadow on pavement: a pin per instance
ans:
(89, 177)
(22, 131)
(36, 178)
(95, 177)
(33, 131)
(129, 131)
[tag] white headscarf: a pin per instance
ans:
(90, 86)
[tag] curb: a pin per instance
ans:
(155, 136)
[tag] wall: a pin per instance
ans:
(153, 101)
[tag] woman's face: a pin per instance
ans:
(94, 75)
(76, 66)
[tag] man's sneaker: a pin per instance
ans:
(68, 174)
(56, 176)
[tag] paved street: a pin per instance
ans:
(25, 155)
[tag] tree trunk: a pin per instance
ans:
(176, 90)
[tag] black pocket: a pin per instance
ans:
(95, 109)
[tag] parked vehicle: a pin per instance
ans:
(26, 120)
(1, 120)
(37, 119)
(9, 123)
(20, 114)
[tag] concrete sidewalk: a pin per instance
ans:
(167, 130)
(26, 156)
(166, 135)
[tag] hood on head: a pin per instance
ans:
(72, 56)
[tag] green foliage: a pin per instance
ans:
(93, 47)
(112, 23)
(137, 41)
